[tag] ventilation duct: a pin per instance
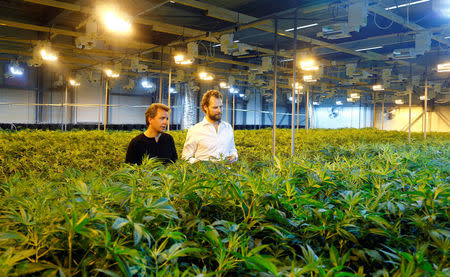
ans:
(189, 106)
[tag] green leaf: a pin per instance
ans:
(380, 221)
(12, 235)
(119, 223)
(262, 264)
(334, 256)
(107, 272)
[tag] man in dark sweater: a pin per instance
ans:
(153, 142)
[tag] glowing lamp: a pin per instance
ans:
(377, 88)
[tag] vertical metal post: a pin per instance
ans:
(160, 74)
(425, 107)
(275, 88)
(254, 113)
(374, 110)
(65, 107)
(105, 120)
(311, 125)
(99, 114)
(233, 108)
(294, 76)
(409, 116)
(226, 105)
(62, 112)
(359, 113)
(298, 110)
(307, 109)
(410, 91)
(169, 87)
(382, 112)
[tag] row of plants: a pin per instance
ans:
(350, 203)
(48, 153)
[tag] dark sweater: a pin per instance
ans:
(141, 145)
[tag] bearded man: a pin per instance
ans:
(211, 139)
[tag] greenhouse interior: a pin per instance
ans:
(330, 154)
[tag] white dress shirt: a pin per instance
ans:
(204, 143)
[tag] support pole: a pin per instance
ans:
(275, 88)
(233, 109)
(99, 113)
(409, 115)
(65, 107)
(226, 105)
(298, 110)
(169, 87)
(359, 113)
(160, 75)
(105, 120)
(254, 113)
(307, 109)
(425, 106)
(382, 113)
(410, 91)
(311, 125)
(374, 110)
(294, 76)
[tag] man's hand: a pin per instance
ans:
(232, 158)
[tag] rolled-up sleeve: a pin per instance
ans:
(233, 150)
(189, 148)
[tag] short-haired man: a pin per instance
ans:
(212, 138)
(153, 142)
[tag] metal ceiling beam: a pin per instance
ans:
(239, 18)
(115, 54)
(402, 21)
(156, 25)
(52, 30)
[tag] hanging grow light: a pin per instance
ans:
(233, 90)
(398, 102)
(309, 79)
(205, 76)
(146, 83)
(172, 90)
(48, 55)
(224, 85)
(74, 83)
(182, 60)
(443, 67)
(339, 103)
(116, 22)
(15, 69)
(309, 65)
(355, 95)
(377, 88)
(112, 74)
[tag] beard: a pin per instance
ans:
(215, 117)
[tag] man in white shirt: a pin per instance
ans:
(211, 139)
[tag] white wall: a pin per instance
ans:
(18, 110)
(438, 119)
(347, 117)
(53, 114)
(126, 113)
(87, 93)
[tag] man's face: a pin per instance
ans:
(159, 122)
(214, 110)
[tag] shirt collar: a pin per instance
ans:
(206, 122)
